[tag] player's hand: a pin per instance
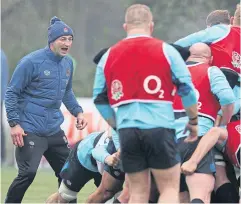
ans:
(188, 167)
(193, 135)
(112, 160)
(17, 134)
(81, 122)
(118, 153)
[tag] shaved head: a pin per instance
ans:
(200, 49)
(200, 52)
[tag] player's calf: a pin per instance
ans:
(200, 187)
(168, 182)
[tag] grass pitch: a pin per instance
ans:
(44, 184)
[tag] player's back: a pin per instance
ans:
(212, 91)
(138, 74)
(226, 50)
(85, 147)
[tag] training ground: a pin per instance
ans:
(44, 184)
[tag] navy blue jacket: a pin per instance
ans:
(4, 74)
(40, 83)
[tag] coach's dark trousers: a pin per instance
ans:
(54, 148)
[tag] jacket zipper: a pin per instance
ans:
(59, 73)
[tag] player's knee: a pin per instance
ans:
(29, 174)
(67, 194)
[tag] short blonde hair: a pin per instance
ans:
(218, 17)
(237, 16)
(138, 14)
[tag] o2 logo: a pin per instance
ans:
(155, 90)
(199, 104)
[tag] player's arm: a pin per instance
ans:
(101, 154)
(185, 89)
(100, 96)
(208, 35)
(222, 90)
(213, 136)
(236, 91)
(21, 77)
(182, 79)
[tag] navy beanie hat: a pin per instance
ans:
(57, 29)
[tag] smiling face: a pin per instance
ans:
(61, 46)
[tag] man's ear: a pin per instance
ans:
(152, 24)
(125, 27)
(231, 20)
(211, 60)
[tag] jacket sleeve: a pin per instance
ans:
(21, 77)
(69, 98)
(4, 74)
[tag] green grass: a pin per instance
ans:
(44, 184)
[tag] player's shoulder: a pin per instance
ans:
(214, 71)
(217, 32)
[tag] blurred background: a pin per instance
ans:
(97, 24)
